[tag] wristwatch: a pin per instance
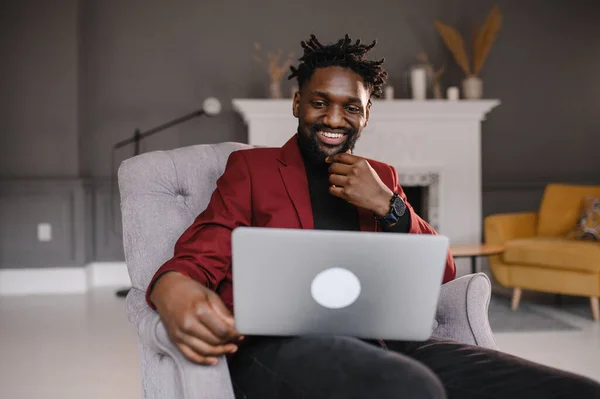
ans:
(397, 210)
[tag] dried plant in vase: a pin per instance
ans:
(481, 45)
(275, 67)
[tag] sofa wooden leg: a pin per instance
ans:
(595, 302)
(516, 298)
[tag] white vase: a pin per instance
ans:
(418, 83)
(472, 88)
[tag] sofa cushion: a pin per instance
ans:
(561, 207)
(558, 253)
(588, 226)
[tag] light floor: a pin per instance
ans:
(82, 346)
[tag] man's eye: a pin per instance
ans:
(318, 104)
(354, 110)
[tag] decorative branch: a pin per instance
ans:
(481, 41)
(455, 44)
(275, 68)
(475, 35)
(486, 38)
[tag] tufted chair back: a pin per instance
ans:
(162, 192)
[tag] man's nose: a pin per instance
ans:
(334, 117)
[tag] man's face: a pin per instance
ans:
(332, 109)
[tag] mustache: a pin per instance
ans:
(321, 127)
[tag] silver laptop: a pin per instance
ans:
(290, 282)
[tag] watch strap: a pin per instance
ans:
(392, 216)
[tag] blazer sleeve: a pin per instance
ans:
(420, 226)
(203, 251)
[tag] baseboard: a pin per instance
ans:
(43, 281)
(63, 280)
(108, 274)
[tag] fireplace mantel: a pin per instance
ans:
(257, 112)
(437, 137)
(252, 109)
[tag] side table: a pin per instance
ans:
(474, 251)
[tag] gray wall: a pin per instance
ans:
(546, 128)
(146, 62)
(39, 77)
(78, 76)
(24, 204)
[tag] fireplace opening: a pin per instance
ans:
(417, 196)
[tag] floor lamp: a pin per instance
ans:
(210, 107)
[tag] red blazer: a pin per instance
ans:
(264, 187)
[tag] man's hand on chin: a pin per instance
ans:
(354, 180)
(195, 318)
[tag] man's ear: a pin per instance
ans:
(296, 104)
(367, 113)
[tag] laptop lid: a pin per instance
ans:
(372, 285)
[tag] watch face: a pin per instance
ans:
(399, 206)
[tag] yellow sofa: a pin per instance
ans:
(538, 257)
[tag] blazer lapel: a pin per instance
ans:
(293, 173)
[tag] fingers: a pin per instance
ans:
(222, 328)
(344, 158)
(191, 355)
(194, 328)
(219, 307)
(205, 349)
(338, 180)
(197, 339)
(338, 192)
(340, 169)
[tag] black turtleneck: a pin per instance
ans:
(329, 211)
(333, 213)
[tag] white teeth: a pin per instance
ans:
(332, 135)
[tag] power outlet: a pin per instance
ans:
(44, 232)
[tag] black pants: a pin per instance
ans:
(347, 368)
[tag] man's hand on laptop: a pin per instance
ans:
(353, 179)
(195, 318)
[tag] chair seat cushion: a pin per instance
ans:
(555, 253)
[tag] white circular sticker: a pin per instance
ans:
(335, 288)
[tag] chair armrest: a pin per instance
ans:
(197, 381)
(500, 228)
(462, 313)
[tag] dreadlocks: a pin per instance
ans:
(342, 54)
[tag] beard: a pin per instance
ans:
(316, 152)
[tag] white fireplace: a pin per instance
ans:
(433, 144)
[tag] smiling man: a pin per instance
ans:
(315, 182)
(322, 131)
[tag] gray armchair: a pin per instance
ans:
(161, 194)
